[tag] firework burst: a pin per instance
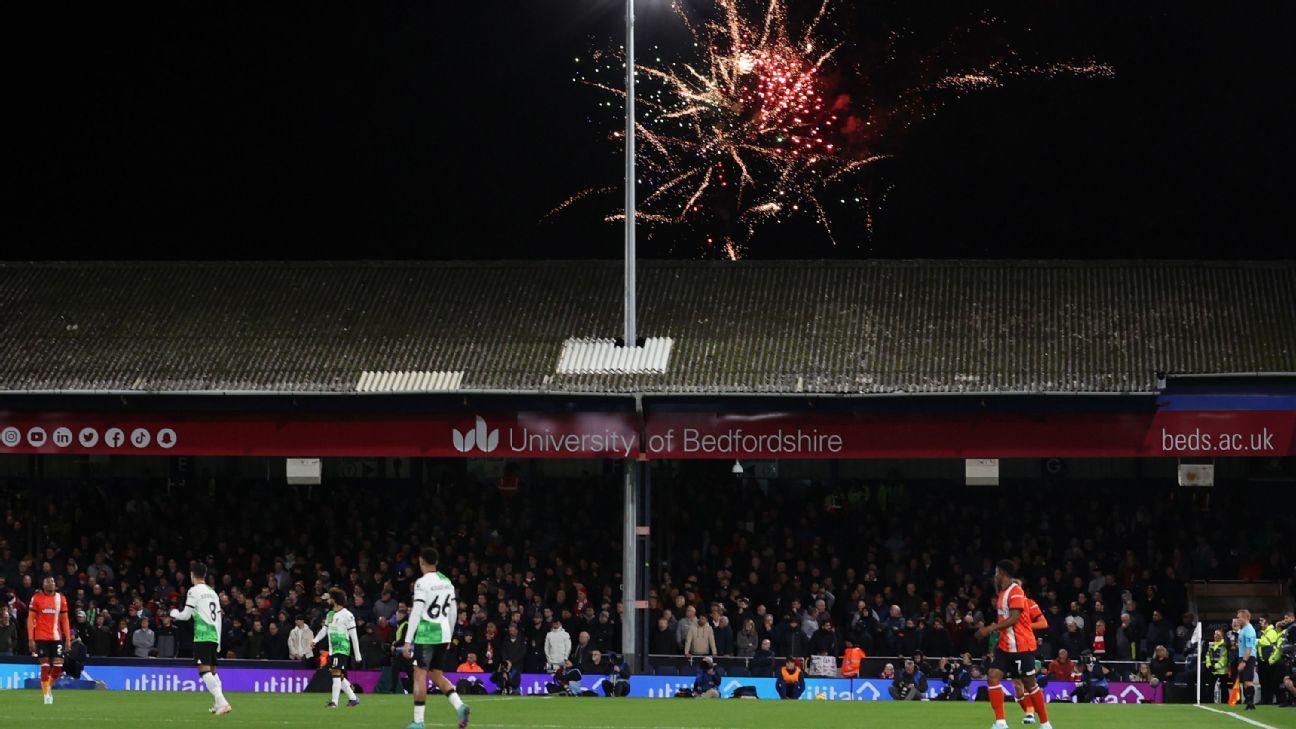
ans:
(756, 130)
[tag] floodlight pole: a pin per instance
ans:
(629, 534)
(630, 333)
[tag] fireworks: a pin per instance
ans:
(759, 128)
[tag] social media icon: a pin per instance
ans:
(89, 437)
(140, 437)
(114, 437)
(10, 437)
(166, 438)
(36, 436)
(62, 437)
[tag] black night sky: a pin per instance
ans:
(448, 129)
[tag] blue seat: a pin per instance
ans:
(665, 671)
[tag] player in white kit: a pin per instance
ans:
(431, 627)
(203, 607)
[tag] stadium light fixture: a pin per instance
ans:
(737, 468)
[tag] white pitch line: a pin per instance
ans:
(1239, 717)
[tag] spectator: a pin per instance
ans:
(824, 641)
(1062, 668)
(685, 624)
(254, 648)
(1099, 649)
(121, 639)
(301, 641)
(166, 637)
(662, 642)
(700, 640)
(102, 639)
(707, 683)
(276, 646)
(791, 681)
(580, 655)
(888, 671)
(1073, 638)
(910, 685)
(557, 646)
(747, 640)
(937, 641)
(724, 637)
(8, 633)
(762, 663)
(1163, 666)
(599, 665)
(1159, 631)
(792, 642)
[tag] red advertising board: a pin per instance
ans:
(488, 435)
(972, 435)
(1163, 433)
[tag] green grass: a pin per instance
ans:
(119, 710)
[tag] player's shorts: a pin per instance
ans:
(49, 649)
(1015, 665)
(428, 656)
(339, 662)
(205, 654)
(1248, 670)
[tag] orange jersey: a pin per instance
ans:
(1033, 614)
(1018, 638)
(48, 617)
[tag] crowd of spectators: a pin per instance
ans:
(752, 570)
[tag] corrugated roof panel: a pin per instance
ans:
(838, 327)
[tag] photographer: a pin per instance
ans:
(563, 678)
(911, 684)
(506, 677)
(618, 681)
(1093, 680)
(957, 680)
(707, 683)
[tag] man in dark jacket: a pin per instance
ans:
(910, 684)
(662, 641)
(824, 641)
(762, 662)
(792, 642)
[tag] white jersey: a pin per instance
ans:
(340, 629)
(434, 612)
(203, 607)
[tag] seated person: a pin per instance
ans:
(957, 680)
(911, 684)
(707, 683)
(791, 680)
(618, 681)
(563, 678)
(1093, 680)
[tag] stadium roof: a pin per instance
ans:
(750, 327)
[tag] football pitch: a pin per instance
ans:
(119, 710)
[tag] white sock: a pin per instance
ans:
(418, 713)
(455, 701)
(346, 688)
(212, 682)
(337, 686)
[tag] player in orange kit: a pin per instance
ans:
(49, 635)
(1035, 616)
(1015, 653)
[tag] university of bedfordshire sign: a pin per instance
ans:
(1164, 432)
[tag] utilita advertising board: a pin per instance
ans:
(156, 676)
(1173, 429)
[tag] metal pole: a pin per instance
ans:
(630, 180)
(1201, 643)
(629, 565)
